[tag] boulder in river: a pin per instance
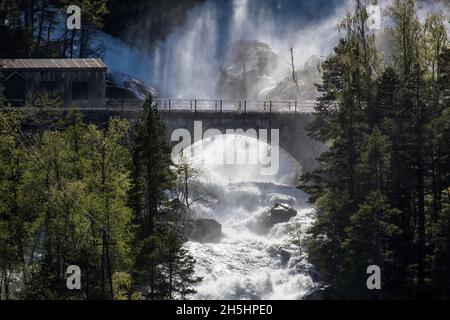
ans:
(322, 293)
(304, 267)
(203, 230)
(280, 213)
(280, 253)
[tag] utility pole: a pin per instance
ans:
(106, 267)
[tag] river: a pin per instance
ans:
(249, 263)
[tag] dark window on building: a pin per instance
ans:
(80, 90)
(15, 87)
(49, 86)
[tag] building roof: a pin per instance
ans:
(47, 64)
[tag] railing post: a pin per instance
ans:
(221, 106)
(215, 106)
(289, 106)
(195, 101)
(191, 104)
(270, 106)
(170, 104)
(265, 106)
(245, 106)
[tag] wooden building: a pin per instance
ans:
(79, 82)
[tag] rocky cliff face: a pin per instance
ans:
(252, 67)
(123, 86)
(255, 71)
(305, 88)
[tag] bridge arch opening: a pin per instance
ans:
(236, 157)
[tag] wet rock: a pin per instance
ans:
(281, 254)
(203, 230)
(276, 198)
(305, 267)
(280, 213)
(321, 293)
(284, 256)
(123, 86)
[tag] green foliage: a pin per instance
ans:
(64, 200)
(185, 176)
(80, 181)
(179, 267)
(15, 217)
(382, 187)
(121, 285)
(367, 243)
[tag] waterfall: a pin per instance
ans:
(248, 263)
(187, 64)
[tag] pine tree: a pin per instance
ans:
(342, 112)
(152, 178)
(152, 171)
(388, 141)
(163, 269)
(179, 267)
(368, 244)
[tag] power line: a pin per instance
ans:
(106, 262)
(88, 215)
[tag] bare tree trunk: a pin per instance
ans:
(2, 277)
(41, 23)
(420, 189)
(170, 273)
(49, 32)
(64, 46)
(294, 76)
(72, 43)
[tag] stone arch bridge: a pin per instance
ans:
(289, 117)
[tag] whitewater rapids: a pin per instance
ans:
(248, 264)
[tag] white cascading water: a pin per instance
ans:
(187, 64)
(248, 264)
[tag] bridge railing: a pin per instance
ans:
(240, 106)
(230, 105)
(211, 105)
